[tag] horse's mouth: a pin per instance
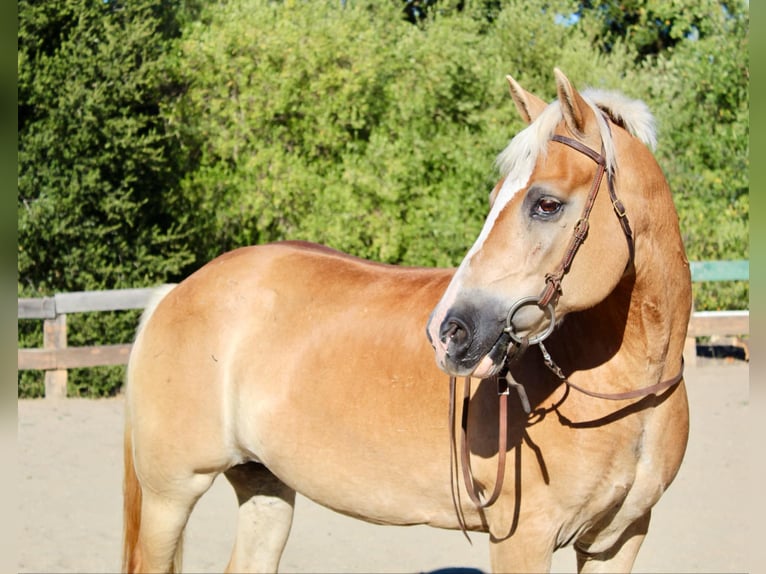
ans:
(492, 363)
(474, 335)
(496, 358)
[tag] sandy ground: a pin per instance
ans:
(69, 500)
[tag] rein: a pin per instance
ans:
(546, 302)
(502, 439)
(503, 390)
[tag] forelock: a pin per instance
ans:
(529, 143)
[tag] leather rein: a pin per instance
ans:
(545, 301)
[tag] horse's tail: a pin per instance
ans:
(131, 490)
(131, 505)
(131, 558)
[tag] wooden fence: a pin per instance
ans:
(56, 357)
(721, 323)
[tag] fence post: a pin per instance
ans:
(54, 337)
(690, 345)
(690, 352)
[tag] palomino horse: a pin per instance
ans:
(292, 367)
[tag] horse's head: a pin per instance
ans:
(546, 188)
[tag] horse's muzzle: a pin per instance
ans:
(470, 335)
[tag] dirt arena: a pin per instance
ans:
(69, 500)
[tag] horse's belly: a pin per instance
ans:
(374, 448)
(353, 470)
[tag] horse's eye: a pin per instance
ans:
(547, 206)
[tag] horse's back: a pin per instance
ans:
(286, 289)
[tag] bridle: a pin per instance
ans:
(546, 301)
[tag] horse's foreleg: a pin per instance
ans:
(265, 516)
(620, 556)
(527, 550)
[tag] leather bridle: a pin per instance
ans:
(553, 280)
(546, 302)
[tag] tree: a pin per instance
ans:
(97, 175)
(653, 27)
(96, 171)
(692, 68)
(701, 94)
(155, 135)
(348, 126)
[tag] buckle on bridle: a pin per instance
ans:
(581, 228)
(619, 208)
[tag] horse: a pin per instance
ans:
(291, 367)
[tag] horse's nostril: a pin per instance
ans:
(452, 328)
(455, 334)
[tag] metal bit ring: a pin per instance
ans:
(509, 328)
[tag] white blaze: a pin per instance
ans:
(511, 186)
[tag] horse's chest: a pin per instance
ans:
(607, 483)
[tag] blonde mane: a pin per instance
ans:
(633, 115)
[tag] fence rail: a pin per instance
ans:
(720, 270)
(83, 302)
(55, 358)
(721, 323)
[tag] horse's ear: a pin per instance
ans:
(576, 111)
(528, 105)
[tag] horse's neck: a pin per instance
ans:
(663, 292)
(640, 328)
(654, 304)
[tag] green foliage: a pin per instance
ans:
(157, 134)
(351, 127)
(97, 176)
(95, 170)
(700, 95)
(656, 27)
(335, 135)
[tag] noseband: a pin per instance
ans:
(546, 301)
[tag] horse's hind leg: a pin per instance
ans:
(620, 556)
(265, 516)
(164, 514)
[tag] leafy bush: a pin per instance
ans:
(700, 94)
(97, 176)
(155, 134)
